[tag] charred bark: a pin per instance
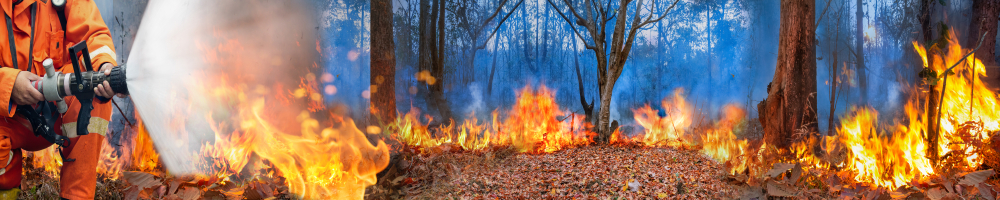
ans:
(383, 62)
(789, 112)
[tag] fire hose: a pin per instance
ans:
(80, 84)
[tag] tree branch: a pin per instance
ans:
(504, 19)
(577, 32)
(661, 15)
(937, 120)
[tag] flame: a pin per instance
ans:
(668, 130)
(48, 159)
(137, 154)
(881, 159)
(720, 142)
(535, 124)
(324, 159)
(892, 156)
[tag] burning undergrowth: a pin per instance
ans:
(535, 124)
(864, 157)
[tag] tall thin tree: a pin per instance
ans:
(859, 46)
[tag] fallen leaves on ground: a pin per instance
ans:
(587, 172)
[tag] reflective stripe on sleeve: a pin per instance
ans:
(97, 125)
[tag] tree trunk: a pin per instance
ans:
(437, 68)
(791, 103)
(383, 61)
(603, 114)
(833, 94)
(984, 20)
(859, 45)
(834, 71)
(424, 61)
(588, 108)
(931, 136)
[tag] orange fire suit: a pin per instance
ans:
(83, 23)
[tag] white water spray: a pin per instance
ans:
(168, 71)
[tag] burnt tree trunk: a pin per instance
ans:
(859, 44)
(985, 14)
(930, 137)
(790, 108)
(383, 62)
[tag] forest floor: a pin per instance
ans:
(587, 172)
(626, 171)
(38, 184)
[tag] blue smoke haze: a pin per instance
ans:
(720, 51)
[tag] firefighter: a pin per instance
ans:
(35, 30)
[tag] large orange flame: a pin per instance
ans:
(895, 155)
(668, 130)
(535, 124)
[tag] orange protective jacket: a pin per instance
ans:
(83, 23)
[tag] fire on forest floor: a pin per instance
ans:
(39, 184)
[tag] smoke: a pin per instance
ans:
(186, 48)
(477, 105)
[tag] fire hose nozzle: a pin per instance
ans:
(117, 80)
(50, 83)
(54, 85)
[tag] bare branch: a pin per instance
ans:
(634, 29)
(824, 11)
(504, 19)
(563, 16)
(663, 15)
(571, 9)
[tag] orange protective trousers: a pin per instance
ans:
(38, 35)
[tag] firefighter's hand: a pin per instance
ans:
(104, 89)
(23, 93)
